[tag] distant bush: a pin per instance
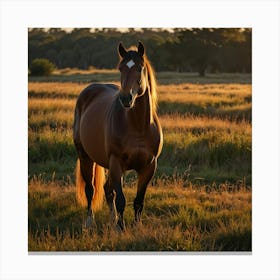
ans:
(41, 67)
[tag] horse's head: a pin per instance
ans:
(133, 74)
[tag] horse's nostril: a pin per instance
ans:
(126, 100)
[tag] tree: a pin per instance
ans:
(181, 49)
(202, 46)
(41, 67)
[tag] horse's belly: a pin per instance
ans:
(96, 153)
(92, 136)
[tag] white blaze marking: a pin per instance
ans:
(130, 63)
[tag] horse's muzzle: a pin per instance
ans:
(126, 100)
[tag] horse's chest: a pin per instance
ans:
(137, 154)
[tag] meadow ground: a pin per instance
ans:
(200, 197)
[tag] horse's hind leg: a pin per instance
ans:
(115, 182)
(144, 177)
(86, 166)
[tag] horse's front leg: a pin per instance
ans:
(115, 182)
(144, 177)
(110, 198)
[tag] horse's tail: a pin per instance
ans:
(99, 178)
(98, 182)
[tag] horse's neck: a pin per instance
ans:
(141, 116)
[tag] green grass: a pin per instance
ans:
(200, 197)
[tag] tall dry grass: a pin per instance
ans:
(200, 197)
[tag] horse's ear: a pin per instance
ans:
(122, 50)
(141, 49)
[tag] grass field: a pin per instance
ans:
(200, 197)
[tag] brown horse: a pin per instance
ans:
(117, 128)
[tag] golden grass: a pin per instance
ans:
(174, 219)
(57, 88)
(186, 122)
(75, 71)
(50, 104)
(180, 212)
(205, 94)
(56, 117)
(209, 89)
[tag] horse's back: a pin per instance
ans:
(93, 92)
(91, 115)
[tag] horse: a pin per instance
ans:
(117, 128)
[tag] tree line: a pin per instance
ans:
(180, 49)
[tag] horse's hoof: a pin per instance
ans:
(136, 224)
(113, 219)
(90, 223)
(119, 227)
